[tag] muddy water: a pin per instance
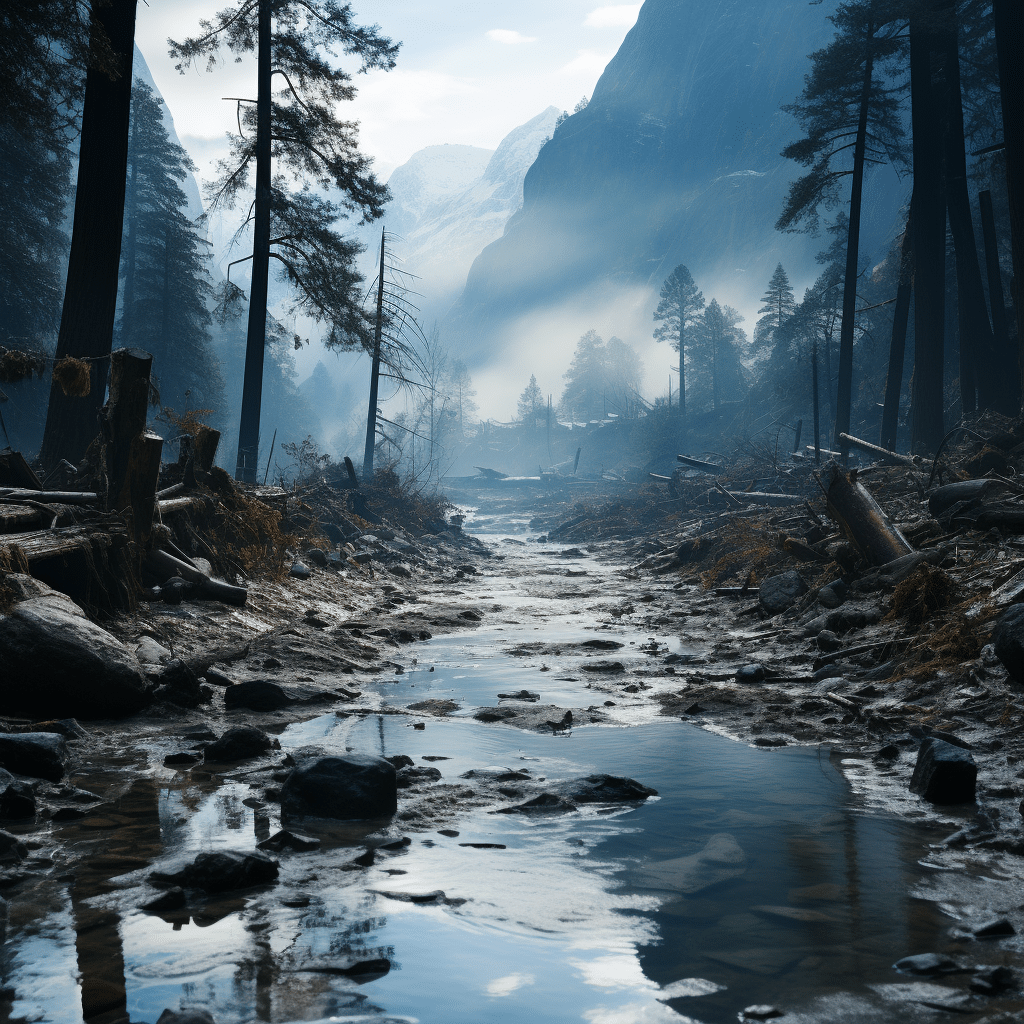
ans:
(756, 876)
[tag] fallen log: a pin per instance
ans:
(51, 497)
(704, 467)
(851, 505)
(164, 565)
(177, 504)
(883, 453)
(42, 544)
(764, 498)
(948, 495)
(19, 517)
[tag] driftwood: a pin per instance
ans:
(704, 467)
(164, 565)
(883, 453)
(851, 505)
(178, 504)
(51, 497)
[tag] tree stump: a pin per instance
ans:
(851, 505)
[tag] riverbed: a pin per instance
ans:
(789, 877)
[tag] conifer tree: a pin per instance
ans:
(298, 126)
(164, 266)
(679, 309)
(779, 306)
(717, 349)
(530, 401)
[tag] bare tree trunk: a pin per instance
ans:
(90, 297)
(898, 341)
(996, 298)
(929, 241)
(371, 415)
(256, 336)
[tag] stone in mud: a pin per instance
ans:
(40, 755)
(300, 571)
(1008, 641)
(316, 557)
(927, 964)
(75, 667)
(601, 789)
(347, 787)
(546, 803)
(257, 695)
(407, 777)
(149, 652)
(223, 871)
(238, 744)
(828, 642)
(291, 840)
(16, 800)
(185, 1017)
(996, 928)
(832, 595)
(777, 593)
(990, 981)
(182, 759)
(11, 847)
(944, 773)
(750, 674)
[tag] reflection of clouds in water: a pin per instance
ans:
(507, 985)
(637, 1013)
(614, 971)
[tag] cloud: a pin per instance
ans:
(507, 985)
(509, 36)
(613, 16)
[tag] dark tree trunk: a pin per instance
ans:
(898, 342)
(1009, 23)
(929, 241)
(371, 413)
(131, 213)
(978, 363)
(996, 298)
(845, 383)
(682, 371)
(256, 337)
(814, 387)
(90, 297)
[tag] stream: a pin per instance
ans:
(756, 876)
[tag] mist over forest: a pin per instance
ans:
(765, 224)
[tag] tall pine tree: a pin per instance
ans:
(779, 306)
(164, 266)
(679, 309)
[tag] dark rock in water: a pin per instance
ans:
(609, 667)
(1008, 640)
(315, 557)
(182, 759)
(593, 789)
(944, 773)
(66, 727)
(761, 1012)
(890, 752)
(777, 593)
(401, 761)
(366, 970)
(412, 776)
(172, 899)
(346, 787)
(223, 871)
(602, 645)
(990, 981)
(927, 963)
(16, 800)
(291, 840)
(435, 896)
(257, 695)
(750, 674)
(11, 847)
(40, 755)
(185, 1017)
(238, 744)
(74, 667)
(470, 615)
(770, 741)
(300, 571)
(997, 928)
(546, 803)
(496, 774)
(527, 695)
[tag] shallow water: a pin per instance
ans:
(756, 876)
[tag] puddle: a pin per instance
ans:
(756, 876)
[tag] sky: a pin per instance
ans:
(467, 72)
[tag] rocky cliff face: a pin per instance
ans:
(675, 160)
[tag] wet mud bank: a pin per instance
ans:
(618, 797)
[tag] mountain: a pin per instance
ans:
(674, 160)
(448, 203)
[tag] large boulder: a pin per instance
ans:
(777, 593)
(1008, 641)
(40, 755)
(257, 695)
(59, 664)
(238, 744)
(346, 787)
(944, 773)
(223, 871)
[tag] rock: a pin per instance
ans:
(401, 761)
(890, 752)
(990, 981)
(760, 1011)
(175, 590)
(527, 695)
(996, 928)
(594, 789)
(828, 642)
(223, 871)
(546, 803)
(291, 840)
(944, 773)
(257, 695)
(435, 706)
(185, 1017)
(300, 571)
(346, 787)
(75, 667)
(607, 667)
(4, 914)
(750, 674)
(238, 744)
(184, 758)
(470, 615)
(777, 593)
(315, 557)
(66, 727)
(435, 897)
(16, 800)
(40, 755)
(172, 899)
(11, 847)
(412, 776)
(927, 964)
(1008, 640)
(149, 652)
(832, 595)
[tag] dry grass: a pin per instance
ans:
(17, 366)
(74, 376)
